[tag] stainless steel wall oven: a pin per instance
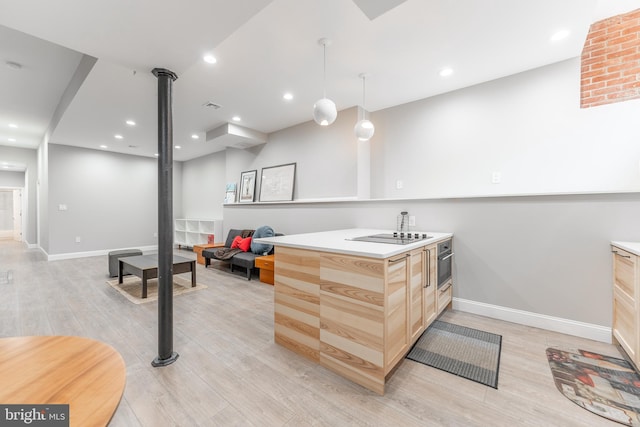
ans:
(445, 258)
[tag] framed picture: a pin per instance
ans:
(230, 193)
(247, 186)
(277, 183)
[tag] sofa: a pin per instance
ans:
(241, 256)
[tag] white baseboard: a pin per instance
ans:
(542, 321)
(101, 252)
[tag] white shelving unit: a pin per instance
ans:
(190, 232)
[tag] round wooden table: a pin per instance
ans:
(86, 374)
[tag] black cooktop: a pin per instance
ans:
(393, 238)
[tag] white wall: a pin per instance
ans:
(325, 157)
(203, 187)
(528, 127)
(111, 199)
(11, 179)
(547, 255)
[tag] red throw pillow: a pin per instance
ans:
(245, 244)
(236, 242)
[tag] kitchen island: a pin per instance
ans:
(355, 307)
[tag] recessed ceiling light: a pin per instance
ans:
(209, 59)
(130, 122)
(287, 96)
(195, 136)
(560, 35)
(12, 140)
(446, 72)
(156, 154)
(178, 147)
(13, 125)
(236, 118)
(103, 146)
(118, 136)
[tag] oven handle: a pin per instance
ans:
(447, 257)
(445, 287)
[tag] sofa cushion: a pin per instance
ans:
(244, 259)
(262, 248)
(233, 233)
(242, 244)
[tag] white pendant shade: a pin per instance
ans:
(324, 112)
(364, 130)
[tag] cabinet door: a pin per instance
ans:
(625, 302)
(430, 284)
(396, 318)
(417, 278)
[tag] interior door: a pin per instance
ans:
(17, 215)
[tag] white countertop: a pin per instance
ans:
(338, 241)
(633, 247)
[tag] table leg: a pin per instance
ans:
(144, 284)
(193, 274)
(120, 266)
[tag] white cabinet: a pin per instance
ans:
(191, 232)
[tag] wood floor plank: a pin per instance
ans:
(231, 372)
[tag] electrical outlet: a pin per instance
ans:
(155, 234)
(496, 177)
(399, 184)
(78, 239)
(412, 221)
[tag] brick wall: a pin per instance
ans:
(611, 61)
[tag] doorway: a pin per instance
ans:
(11, 214)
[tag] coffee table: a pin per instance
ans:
(146, 267)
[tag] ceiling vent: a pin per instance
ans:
(213, 105)
(230, 135)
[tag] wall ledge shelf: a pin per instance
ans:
(433, 198)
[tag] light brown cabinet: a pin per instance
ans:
(626, 293)
(355, 315)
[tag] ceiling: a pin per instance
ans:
(264, 48)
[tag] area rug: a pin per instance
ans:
(462, 351)
(604, 385)
(132, 288)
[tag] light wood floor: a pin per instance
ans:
(230, 372)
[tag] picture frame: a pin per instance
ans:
(276, 184)
(247, 186)
(230, 193)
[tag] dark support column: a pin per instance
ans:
(166, 355)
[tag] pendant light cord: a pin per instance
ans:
(364, 111)
(324, 70)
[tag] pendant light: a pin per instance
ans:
(364, 129)
(324, 110)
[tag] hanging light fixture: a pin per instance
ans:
(324, 110)
(364, 129)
